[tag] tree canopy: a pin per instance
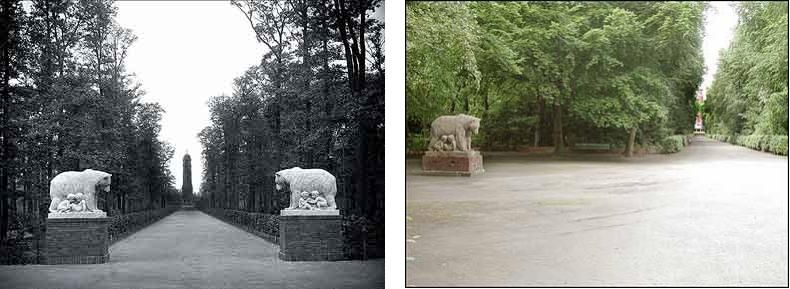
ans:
(68, 103)
(749, 91)
(316, 100)
(555, 73)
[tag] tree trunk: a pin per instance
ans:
(485, 99)
(540, 120)
(629, 147)
(350, 67)
(466, 103)
(306, 81)
(5, 192)
(486, 107)
(559, 144)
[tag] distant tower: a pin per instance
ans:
(186, 186)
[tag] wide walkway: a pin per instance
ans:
(190, 249)
(711, 215)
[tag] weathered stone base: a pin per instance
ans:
(297, 212)
(311, 238)
(77, 260)
(452, 163)
(77, 215)
(77, 241)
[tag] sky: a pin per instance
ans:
(185, 53)
(720, 20)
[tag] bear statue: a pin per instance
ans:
(298, 180)
(87, 183)
(458, 129)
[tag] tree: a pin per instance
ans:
(315, 100)
(437, 83)
(11, 57)
(749, 91)
(568, 72)
(73, 106)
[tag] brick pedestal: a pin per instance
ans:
(311, 238)
(452, 163)
(77, 241)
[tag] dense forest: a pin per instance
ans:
(68, 103)
(316, 100)
(749, 91)
(555, 73)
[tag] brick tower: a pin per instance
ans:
(186, 186)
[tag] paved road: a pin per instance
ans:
(711, 215)
(190, 249)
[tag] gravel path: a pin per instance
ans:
(711, 215)
(190, 249)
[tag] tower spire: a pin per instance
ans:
(186, 186)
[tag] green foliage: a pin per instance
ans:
(776, 144)
(417, 143)
(509, 124)
(432, 87)
(673, 144)
(749, 94)
(603, 67)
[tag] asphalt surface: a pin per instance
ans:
(190, 249)
(711, 215)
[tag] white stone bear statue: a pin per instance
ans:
(459, 127)
(299, 180)
(87, 183)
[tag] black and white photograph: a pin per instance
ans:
(192, 144)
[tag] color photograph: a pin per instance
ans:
(598, 144)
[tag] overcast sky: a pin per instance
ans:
(186, 52)
(721, 19)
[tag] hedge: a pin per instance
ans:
(24, 239)
(673, 144)
(776, 144)
(124, 225)
(263, 225)
(363, 238)
(27, 233)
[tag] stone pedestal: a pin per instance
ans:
(77, 241)
(452, 163)
(310, 237)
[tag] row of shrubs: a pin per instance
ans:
(266, 226)
(24, 239)
(776, 144)
(363, 238)
(124, 225)
(27, 233)
(674, 143)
